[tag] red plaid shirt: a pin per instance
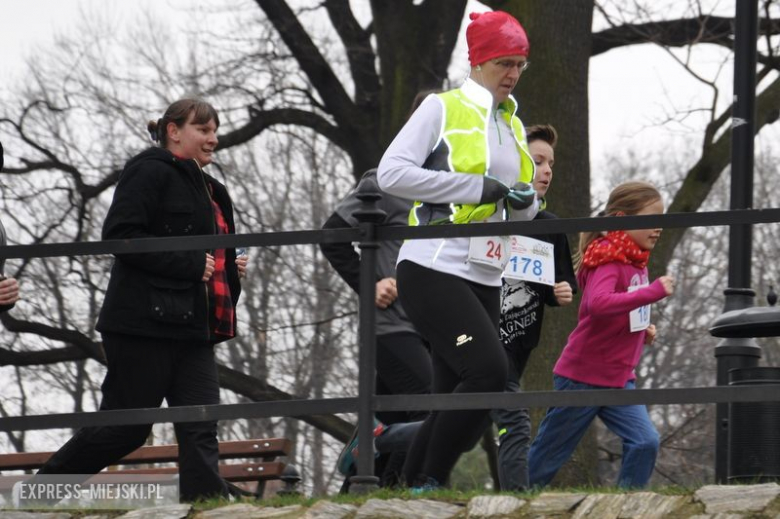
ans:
(224, 313)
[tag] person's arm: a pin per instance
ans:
(342, 256)
(603, 300)
(400, 171)
(346, 261)
(135, 205)
(564, 270)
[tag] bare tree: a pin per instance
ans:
(298, 326)
(350, 83)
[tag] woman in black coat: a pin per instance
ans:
(164, 311)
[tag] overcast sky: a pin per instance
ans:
(631, 90)
(27, 24)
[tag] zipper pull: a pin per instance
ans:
(498, 127)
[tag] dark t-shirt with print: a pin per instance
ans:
(522, 302)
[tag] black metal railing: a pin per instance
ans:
(369, 233)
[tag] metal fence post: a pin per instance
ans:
(369, 217)
(733, 353)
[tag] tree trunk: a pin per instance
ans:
(554, 90)
(414, 46)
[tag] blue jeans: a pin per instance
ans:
(397, 437)
(563, 428)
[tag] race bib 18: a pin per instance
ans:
(640, 318)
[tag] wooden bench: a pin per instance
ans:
(265, 450)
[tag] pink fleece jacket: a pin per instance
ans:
(602, 350)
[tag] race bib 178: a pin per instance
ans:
(531, 260)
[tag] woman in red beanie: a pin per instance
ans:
(464, 158)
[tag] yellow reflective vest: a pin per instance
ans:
(463, 146)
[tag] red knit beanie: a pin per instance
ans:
(494, 34)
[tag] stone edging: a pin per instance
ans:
(709, 502)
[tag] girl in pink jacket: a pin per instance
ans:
(604, 349)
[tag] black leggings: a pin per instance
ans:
(460, 321)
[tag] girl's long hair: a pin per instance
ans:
(628, 198)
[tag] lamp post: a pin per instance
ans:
(739, 352)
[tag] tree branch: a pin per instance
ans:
(675, 33)
(90, 348)
(87, 191)
(360, 54)
(260, 391)
(260, 120)
(92, 191)
(700, 179)
(40, 358)
(32, 166)
(439, 16)
(308, 57)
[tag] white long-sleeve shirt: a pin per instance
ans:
(401, 173)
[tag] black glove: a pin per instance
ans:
(493, 190)
(521, 196)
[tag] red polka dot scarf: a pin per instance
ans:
(616, 246)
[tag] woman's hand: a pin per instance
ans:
(650, 334)
(241, 263)
(521, 196)
(563, 293)
(493, 190)
(386, 292)
(9, 291)
(209, 270)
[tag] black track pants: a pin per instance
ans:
(403, 367)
